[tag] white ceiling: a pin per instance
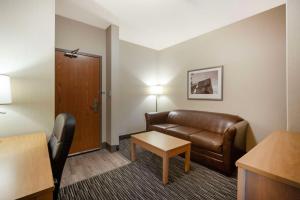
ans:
(159, 24)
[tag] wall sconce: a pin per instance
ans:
(5, 91)
(156, 90)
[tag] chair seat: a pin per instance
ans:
(182, 132)
(208, 140)
(162, 127)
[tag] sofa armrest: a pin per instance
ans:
(228, 144)
(155, 118)
(234, 143)
(240, 137)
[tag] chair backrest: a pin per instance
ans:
(60, 143)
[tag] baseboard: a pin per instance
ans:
(111, 148)
(114, 148)
(104, 145)
(122, 137)
(83, 152)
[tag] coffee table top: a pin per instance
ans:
(160, 140)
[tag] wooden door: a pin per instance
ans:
(77, 91)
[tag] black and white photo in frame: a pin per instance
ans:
(205, 83)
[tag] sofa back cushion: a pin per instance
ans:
(214, 122)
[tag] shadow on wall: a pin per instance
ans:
(250, 139)
(135, 101)
(32, 109)
(15, 123)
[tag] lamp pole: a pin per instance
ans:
(156, 90)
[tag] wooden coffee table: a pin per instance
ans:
(164, 146)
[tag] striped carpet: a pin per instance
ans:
(142, 180)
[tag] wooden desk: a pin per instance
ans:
(25, 170)
(271, 170)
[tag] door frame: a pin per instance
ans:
(100, 92)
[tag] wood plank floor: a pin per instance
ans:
(84, 166)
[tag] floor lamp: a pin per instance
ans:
(156, 90)
(5, 91)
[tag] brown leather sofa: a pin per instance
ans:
(217, 139)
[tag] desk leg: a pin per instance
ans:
(187, 158)
(165, 169)
(133, 150)
(241, 184)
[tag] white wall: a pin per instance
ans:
(71, 34)
(27, 55)
(293, 65)
(138, 69)
(253, 54)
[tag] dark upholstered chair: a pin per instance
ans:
(59, 146)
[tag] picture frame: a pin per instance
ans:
(205, 83)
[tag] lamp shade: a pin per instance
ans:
(5, 90)
(156, 90)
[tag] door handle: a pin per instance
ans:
(95, 106)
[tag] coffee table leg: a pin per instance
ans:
(165, 169)
(133, 149)
(187, 159)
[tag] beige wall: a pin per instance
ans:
(293, 65)
(113, 75)
(138, 66)
(108, 85)
(253, 54)
(129, 73)
(70, 34)
(27, 55)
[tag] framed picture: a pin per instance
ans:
(205, 84)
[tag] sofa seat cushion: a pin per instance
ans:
(182, 132)
(208, 140)
(161, 127)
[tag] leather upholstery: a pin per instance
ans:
(156, 118)
(182, 132)
(162, 127)
(208, 140)
(214, 122)
(212, 134)
(211, 154)
(59, 146)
